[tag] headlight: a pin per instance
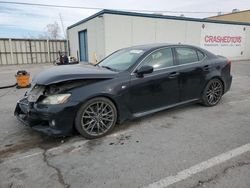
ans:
(56, 99)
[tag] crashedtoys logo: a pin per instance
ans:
(226, 40)
(222, 39)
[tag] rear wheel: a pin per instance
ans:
(212, 92)
(96, 118)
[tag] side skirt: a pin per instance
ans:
(140, 114)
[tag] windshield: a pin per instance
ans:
(121, 60)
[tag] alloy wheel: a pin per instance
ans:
(214, 92)
(97, 118)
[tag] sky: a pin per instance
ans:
(21, 21)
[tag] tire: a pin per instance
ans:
(96, 118)
(212, 93)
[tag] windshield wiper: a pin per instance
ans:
(109, 68)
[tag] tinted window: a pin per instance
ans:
(200, 55)
(186, 55)
(159, 59)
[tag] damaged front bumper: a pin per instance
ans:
(57, 120)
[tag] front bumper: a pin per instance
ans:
(57, 120)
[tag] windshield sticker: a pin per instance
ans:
(136, 51)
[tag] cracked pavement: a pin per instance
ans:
(226, 176)
(58, 171)
(137, 153)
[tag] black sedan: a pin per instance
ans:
(130, 83)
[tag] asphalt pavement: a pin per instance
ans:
(191, 146)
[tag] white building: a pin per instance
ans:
(107, 31)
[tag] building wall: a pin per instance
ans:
(234, 50)
(247, 44)
(111, 32)
(242, 16)
(124, 31)
(95, 35)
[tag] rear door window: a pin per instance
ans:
(186, 55)
(200, 55)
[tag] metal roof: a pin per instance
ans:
(106, 11)
(231, 13)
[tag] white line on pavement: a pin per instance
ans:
(26, 156)
(200, 167)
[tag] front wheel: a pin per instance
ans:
(96, 118)
(212, 92)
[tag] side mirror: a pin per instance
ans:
(144, 70)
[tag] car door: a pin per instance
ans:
(157, 89)
(192, 72)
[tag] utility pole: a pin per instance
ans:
(65, 35)
(62, 25)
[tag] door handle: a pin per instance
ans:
(173, 74)
(206, 68)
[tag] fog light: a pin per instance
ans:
(53, 123)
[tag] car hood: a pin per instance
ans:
(72, 72)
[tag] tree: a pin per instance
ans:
(53, 30)
(43, 36)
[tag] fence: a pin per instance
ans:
(30, 51)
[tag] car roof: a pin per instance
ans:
(152, 46)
